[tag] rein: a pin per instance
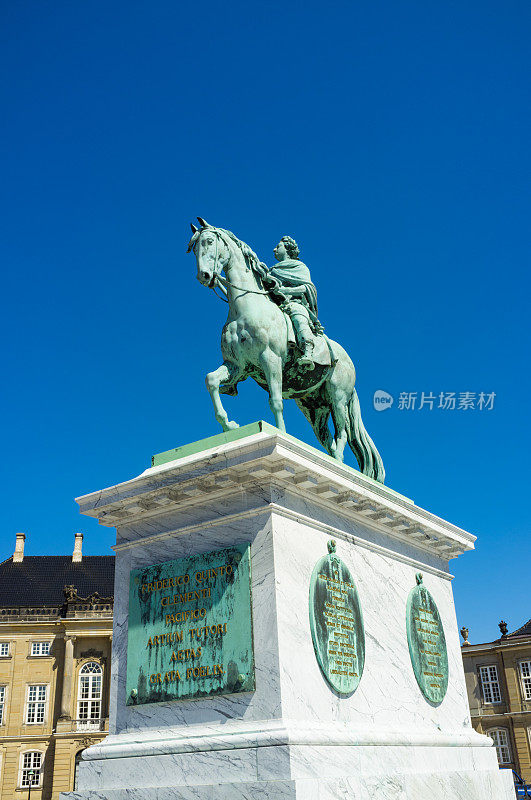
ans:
(222, 280)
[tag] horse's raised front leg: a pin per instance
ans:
(213, 381)
(272, 367)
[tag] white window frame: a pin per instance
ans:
(22, 769)
(3, 698)
(497, 735)
(87, 700)
(37, 702)
(7, 647)
(40, 648)
(490, 685)
(525, 678)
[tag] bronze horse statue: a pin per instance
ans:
(257, 342)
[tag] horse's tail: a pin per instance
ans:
(361, 444)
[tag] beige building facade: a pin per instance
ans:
(498, 680)
(55, 647)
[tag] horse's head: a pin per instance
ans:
(211, 250)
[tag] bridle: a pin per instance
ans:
(215, 282)
(218, 280)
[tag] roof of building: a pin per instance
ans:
(525, 630)
(515, 637)
(38, 580)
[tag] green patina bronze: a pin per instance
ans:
(427, 643)
(190, 628)
(218, 440)
(273, 335)
(336, 623)
(221, 439)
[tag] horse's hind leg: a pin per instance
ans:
(213, 380)
(340, 417)
(340, 386)
(318, 419)
(272, 368)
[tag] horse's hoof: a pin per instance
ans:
(232, 425)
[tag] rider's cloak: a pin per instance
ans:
(292, 272)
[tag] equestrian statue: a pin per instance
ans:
(273, 334)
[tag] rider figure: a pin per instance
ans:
(296, 295)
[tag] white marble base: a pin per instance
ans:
(457, 786)
(435, 766)
(329, 773)
(293, 737)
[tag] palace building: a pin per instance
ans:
(55, 647)
(498, 680)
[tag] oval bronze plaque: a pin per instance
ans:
(427, 643)
(336, 623)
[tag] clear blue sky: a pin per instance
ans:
(390, 139)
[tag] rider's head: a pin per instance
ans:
(286, 248)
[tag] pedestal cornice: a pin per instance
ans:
(265, 459)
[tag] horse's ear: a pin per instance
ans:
(194, 229)
(203, 223)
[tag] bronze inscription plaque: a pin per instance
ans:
(427, 643)
(336, 623)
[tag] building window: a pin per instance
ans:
(4, 649)
(2, 703)
(36, 706)
(525, 672)
(501, 742)
(30, 769)
(89, 695)
(40, 648)
(490, 684)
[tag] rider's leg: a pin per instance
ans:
(303, 332)
(213, 381)
(272, 367)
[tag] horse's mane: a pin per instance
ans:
(253, 262)
(249, 255)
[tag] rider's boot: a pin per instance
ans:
(306, 359)
(304, 335)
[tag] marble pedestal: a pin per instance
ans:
(293, 737)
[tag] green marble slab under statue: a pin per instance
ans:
(273, 334)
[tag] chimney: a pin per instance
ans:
(18, 555)
(78, 543)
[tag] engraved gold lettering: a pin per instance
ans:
(206, 671)
(209, 630)
(172, 675)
